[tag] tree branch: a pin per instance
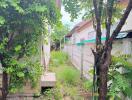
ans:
(10, 39)
(109, 12)
(94, 53)
(1, 57)
(98, 21)
(121, 22)
(94, 24)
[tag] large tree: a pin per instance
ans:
(22, 22)
(104, 13)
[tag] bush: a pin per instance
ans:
(120, 81)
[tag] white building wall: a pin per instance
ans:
(86, 34)
(128, 24)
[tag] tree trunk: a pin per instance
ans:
(103, 82)
(4, 86)
(103, 70)
(4, 79)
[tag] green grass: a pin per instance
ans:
(87, 85)
(68, 77)
(58, 58)
(64, 70)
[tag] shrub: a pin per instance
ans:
(120, 81)
(21, 73)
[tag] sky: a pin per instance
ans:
(66, 19)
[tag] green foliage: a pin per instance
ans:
(34, 72)
(65, 74)
(119, 84)
(58, 58)
(120, 76)
(36, 8)
(70, 91)
(2, 20)
(3, 3)
(85, 8)
(68, 78)
(22, 23)
(2, 45)
(73, 7)
(58, 34)
(122, 61)
(20, 73)
(87, 85)
(53, 94)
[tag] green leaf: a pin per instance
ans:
(36, 8)
(15, 4)
(9, 70)
(18, 48)
(3, 4)
(20, 74)
(2, 20)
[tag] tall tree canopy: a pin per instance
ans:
(22, 22)
(104, 14)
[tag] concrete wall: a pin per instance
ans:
(74, 53)
(122, 45)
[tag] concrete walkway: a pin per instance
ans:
(48, 79)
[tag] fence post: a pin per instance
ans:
(82, 47)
